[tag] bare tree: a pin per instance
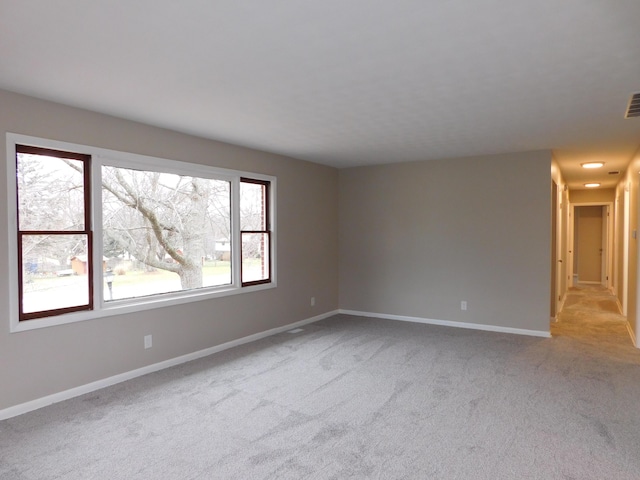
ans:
(169, 227)
(162, 219)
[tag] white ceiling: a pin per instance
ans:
(346, 82)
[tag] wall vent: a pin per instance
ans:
(633, 109)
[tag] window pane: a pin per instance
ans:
(50, 193)
(164, 232)
(255, 257)
(54, 272)
(252, 206)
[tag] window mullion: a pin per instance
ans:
(236, 237)
(97, 234)
(88, 227)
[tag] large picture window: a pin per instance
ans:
(164, 232)
(98, 230)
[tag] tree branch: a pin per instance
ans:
(136, 203)
(140, 255)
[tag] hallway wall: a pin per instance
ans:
(631, 181)
(595, 195)
(560, 267)
(619, 267)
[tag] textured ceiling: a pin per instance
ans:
(345, 83)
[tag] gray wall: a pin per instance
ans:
(417, 238)
(631, 181)
(45, 361)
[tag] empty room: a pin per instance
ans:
(319, 240)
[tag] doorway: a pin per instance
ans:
(591, 245)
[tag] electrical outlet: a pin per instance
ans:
(463, 305)
(313, 301)
(148, 341)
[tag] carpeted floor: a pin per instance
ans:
(590, 314)
(361, 398)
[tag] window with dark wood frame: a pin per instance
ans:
(62, 189)
(54, 230)
(255, 232)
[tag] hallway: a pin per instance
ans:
(590, 315)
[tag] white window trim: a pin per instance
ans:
(101, 156)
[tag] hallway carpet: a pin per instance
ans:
(360, 398)
(591, 316)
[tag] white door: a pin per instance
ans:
(589, 247)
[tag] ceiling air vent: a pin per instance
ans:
(633, 110)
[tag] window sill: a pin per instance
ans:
(121, 307)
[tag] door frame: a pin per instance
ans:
(607, 247)
(626, 231)
(555, 253)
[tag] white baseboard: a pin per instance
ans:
(562, 300)
(447, 323)
(632, 335)
(122, 377)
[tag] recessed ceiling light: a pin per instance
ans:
(591, 185)
(592, 164)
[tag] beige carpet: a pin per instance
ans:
(591, 316)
